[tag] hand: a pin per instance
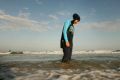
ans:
(67, 44)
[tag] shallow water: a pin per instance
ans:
(50, 57)
(49, 67)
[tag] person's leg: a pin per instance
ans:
(63, 59)
(66, 51)
(70, 55)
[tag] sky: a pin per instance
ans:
(35, 25)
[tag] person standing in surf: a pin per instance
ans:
(66, 42)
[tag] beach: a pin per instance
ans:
(49, 67)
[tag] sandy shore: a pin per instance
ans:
(49, 67)
(55, 70)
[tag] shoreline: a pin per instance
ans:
(55, 70)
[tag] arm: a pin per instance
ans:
(66, 25)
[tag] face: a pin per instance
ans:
(76, 22)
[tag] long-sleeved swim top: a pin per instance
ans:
(65, 28)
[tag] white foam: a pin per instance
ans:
(4, 52)
(85, 75)
(74, 52)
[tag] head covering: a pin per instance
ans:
(76, 17)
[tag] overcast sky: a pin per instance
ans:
(34, 25)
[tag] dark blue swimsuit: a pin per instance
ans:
(67, 34)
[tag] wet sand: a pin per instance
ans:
(49, 67)
(55, 70)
